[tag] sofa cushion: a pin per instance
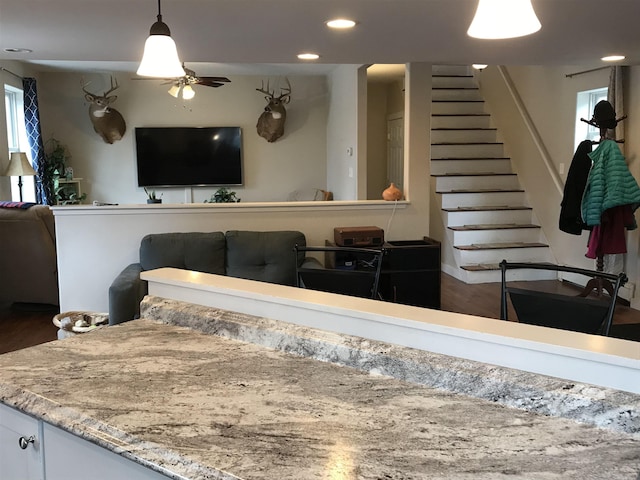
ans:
(202, 252)
(264, 256)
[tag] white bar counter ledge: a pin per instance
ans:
(201, 388)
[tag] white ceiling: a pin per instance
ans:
(230, 36)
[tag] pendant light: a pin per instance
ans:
(160, 58)
(497, 19)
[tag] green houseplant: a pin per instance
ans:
(56, 156)
(152, 197)
(222, 195)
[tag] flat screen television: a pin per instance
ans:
(188, 156)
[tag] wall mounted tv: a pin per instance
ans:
(188, 156)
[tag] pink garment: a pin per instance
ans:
(609, 237)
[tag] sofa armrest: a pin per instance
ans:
(125, 294)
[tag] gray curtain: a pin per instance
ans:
(615, 96)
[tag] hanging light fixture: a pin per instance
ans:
(160, 58)
(496, 19)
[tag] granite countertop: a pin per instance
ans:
(198, 393)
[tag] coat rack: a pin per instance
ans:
(608, 123)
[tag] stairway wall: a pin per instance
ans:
(549, 98)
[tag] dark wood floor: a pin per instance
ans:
(27, 325)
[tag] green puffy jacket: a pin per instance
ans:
(610, 183)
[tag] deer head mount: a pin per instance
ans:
(107, 121)
(271, 122)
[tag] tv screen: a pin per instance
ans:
(188, 156)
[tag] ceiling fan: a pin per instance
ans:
(181, 86)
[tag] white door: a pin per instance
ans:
(395, 149)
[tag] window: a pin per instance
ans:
(585, 104)
(17, 140)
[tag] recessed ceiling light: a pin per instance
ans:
(308, 56)
(613, 58)
(17, 50)
(479, 66)
(341, 23)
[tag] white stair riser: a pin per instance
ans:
(460, 121)
(495, 276)
(452, 200)
(470, 166)
(487, 217)
(525, 235)
(446, 184)
(451, 70)
(455, 94)
(453, 82)
(475, 150)
(463, 136)
(457, 107)
(496, 255)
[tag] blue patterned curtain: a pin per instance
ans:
(44, 194)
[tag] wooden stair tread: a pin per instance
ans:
(469, 158)
(454, 88)
(460, 114)
(496, 246)
(487, 208)
(480, 267)
(452, 75)
(485, 190)
(460, 129)
(457, 101)
(465, 143)
(473, 174)
(493, 226)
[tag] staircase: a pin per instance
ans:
(485, 211)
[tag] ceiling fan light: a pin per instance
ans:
(188, 93)
(174, 91)
(498, 19)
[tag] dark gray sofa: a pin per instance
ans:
(263, 256)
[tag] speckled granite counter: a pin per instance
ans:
(200, 393)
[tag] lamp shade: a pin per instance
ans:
(188, 92)
(160, 58)
(19, 166)
(498, 19)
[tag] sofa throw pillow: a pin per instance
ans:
(264, 256)
(199, 251)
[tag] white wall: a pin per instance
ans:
(271, 170)
(342, 133)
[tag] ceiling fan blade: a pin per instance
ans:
(209, 82)
(215, 79)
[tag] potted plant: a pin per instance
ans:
(223, 195)
(151, 196)
(56, 156)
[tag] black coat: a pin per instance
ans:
(571, 206)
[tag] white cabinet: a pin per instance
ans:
(71, 458)
(51, 453)
(20, 446)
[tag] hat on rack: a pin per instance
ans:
(604, 116)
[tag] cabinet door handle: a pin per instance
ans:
(24, 442)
